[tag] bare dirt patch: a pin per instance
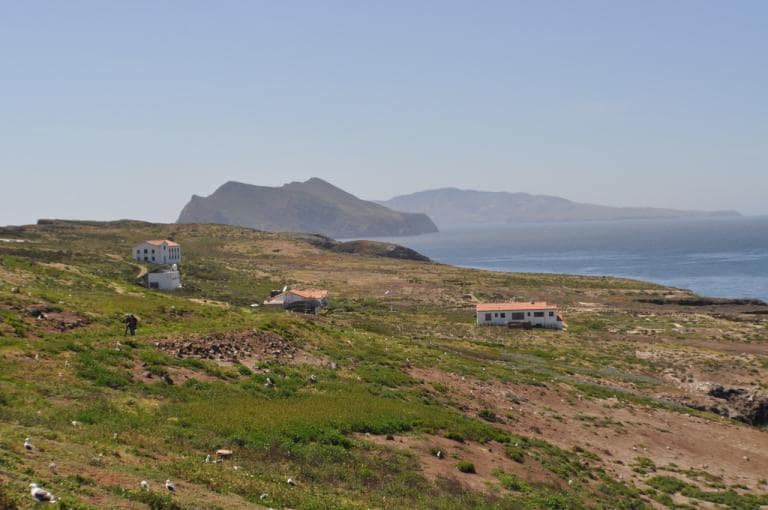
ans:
(210, 302)
(619, 433)
(54, 319)
(246, 347)
(487, 458)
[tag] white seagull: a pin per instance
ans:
(291, 481)
(144, 485)
(28, 444)
(40, 494)
(169, 485)
(207, 459)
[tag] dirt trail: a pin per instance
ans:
(143, 270)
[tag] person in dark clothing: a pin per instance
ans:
(131, 322)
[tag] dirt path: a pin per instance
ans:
(142, 271)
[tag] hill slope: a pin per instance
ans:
(355, 403)
(451, 206)
(311, 206)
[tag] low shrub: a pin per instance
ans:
(466, 467)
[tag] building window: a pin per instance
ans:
(145, 250)
(503, 315)
(529, 314)
(518, 316)
(487, 316)
(538, 314)
(551, 314)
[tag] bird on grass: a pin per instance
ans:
(207, 459)
(28, 444)
(263, 496)
(40, 494)
(169, 485)
(269, 383)
(144, 485)
(291, 481)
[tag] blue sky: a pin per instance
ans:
(124, 109)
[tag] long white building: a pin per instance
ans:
(158, 251)
(532, 314)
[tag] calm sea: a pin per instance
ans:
(723, 257)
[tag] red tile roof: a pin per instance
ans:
(310, 293)
(515, 306)
(158, 242)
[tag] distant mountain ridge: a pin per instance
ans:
(314, 206)
(452, 206)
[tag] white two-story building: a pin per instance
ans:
(537, 314)
(158, 251)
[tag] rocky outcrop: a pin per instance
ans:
(741, 404)
(702, 301)
(230, 347)
(377, 249)
(311, 206)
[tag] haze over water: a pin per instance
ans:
(720, 258)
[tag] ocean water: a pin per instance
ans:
(718, 258)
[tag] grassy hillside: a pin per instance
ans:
(391, 398)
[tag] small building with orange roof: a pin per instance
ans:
(310, 300)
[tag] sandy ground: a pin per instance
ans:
(618, 433)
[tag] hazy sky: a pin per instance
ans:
(112, 109)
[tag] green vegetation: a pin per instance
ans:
(466, 467)
(350, 391)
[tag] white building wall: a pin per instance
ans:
(292, 298)
(165, 256)
(502, 318)
(167, 280)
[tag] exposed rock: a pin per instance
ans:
(689, 301)
(230, 347)
(378, 249)
(738, 404)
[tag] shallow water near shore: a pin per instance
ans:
(719, 258)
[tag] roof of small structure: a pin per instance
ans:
(515, 306)
(159, 242)
(310, 293)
